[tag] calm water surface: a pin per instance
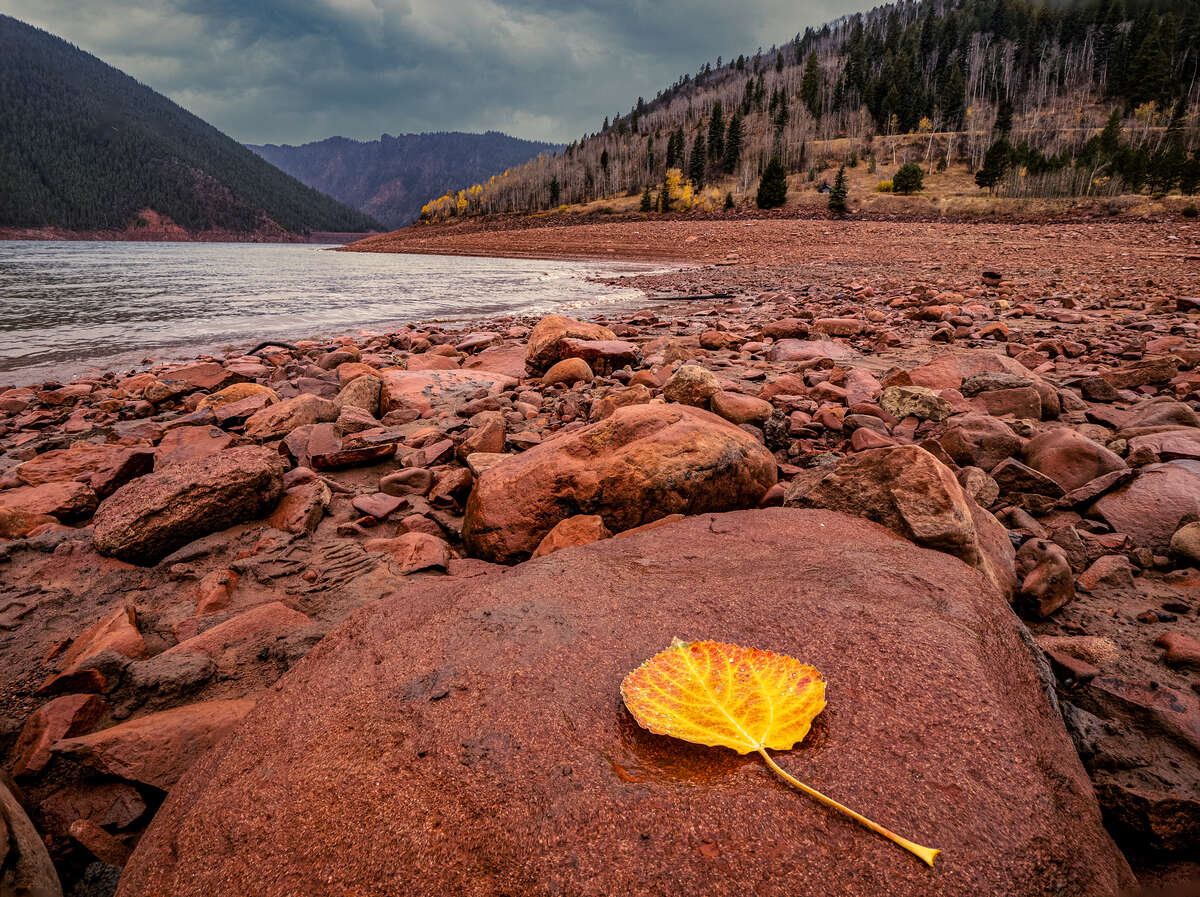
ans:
(66, 308)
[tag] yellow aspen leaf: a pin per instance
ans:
(745, 699)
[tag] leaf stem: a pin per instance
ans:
(925, 853)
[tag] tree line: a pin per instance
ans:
(925, 78)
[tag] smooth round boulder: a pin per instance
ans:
(545, 342)
(642, 463)
(1070, 458)
(977, 440)
(740, 409)
(467, 736)
(569, 371)
(1154, 505)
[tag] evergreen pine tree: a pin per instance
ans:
(995, 164)
(908, 179)
(772, 189)
(555, 192)
(810, 86)
(647, 200)
(1004, 118)
(604, 160)
(699, 160)
(782, 113)
(716, 135)
(1189, 176)
(664, 198)
(1110, 137)
(837, 194)
(733, 144)
(729, 201)
(1149, 70)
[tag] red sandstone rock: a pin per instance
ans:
(798, 350)
(1153, 506)
(105, 467)
(17, 524)
(66, 501)
(581, 529)
(1069, 458)
(545, 342)
(25, 867)
(242, 637)
(908, 490)
(569, 371)
(430, 361)
(116, 632)
(100, 843)
(414, 550)
(236, 393)
(190, 443)
(421, 391)
(301, 507)
(215, 591)
(280, 419)
(1180, 649)
(206, 375)
(424, 746)
(603, 356)
(691, 385)
(156, 749)
(61, 717)
(977, 440)
(145, 520)
(644, 462)
(1047, 582)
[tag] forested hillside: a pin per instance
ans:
(1070, 98)
(391, 178)
(85, 147)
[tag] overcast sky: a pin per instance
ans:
(291, 71)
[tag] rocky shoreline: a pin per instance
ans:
(940, 430)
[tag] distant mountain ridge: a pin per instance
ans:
(390, 178)
(85, 147)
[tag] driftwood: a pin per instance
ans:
(269, 343)
(693, 297)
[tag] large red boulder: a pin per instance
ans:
(424, 391)
(104, 467)
(467, 736)
(947, 371)
(1070, 458)
(545, 345)
(1153, 506)
(642, 463)
(25, 866)
(910, 491)
(156, 749)
(147, 519)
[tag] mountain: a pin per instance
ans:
(84, 146)
(391, 177)
(1059, 98)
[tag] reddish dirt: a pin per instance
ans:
(1096, 248)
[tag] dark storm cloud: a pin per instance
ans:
(289, 71)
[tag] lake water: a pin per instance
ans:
(66, 308)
